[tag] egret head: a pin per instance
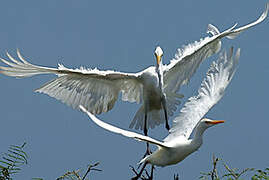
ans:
(208, 122)
(158, 54)
(204, 124)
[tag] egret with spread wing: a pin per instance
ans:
(156, 87)
(178, 144)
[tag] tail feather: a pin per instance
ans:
(172, 102)
(154, 118)
(143, 160)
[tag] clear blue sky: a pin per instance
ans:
(122, 35)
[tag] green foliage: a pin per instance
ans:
(12, 161)
(15, 157)
(261, 174)
(234, 173)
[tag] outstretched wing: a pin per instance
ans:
(94, 89)
(188, 59)
(211, 91)
(121, 131)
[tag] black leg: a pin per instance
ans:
(140, 173)
(145, 125)
(166, 120)
(165, 113)
(151, 174)
(146, 133)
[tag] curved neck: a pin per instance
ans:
(199, 131)
(197, 140)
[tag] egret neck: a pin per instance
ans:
(159, 71)
(200, 129)
(159, 66)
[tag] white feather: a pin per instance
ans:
(98, 90)
(211, 91)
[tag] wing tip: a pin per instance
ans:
(266, 9)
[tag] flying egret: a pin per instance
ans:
(178, 144)
(156, 87)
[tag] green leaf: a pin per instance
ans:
(8, 160)
(18, 155)
(19, 151)
(15, 169)
(15, 157)
(3, 167)
(6, 163)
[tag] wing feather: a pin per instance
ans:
(211, 91)
(188, 59)
(94, 89)
(126, 133)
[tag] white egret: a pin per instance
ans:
(156, 87)
(178, 144)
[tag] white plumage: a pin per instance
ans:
(154, 87)
(178, 144)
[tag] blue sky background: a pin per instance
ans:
(122, 35)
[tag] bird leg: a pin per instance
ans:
(165, 113)
(148, 152)
(166, 120)
(151, 173)
(149, 176)
(138, 175)
(145, 125)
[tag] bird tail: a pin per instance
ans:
(143, 160)
(154, 118)
(172, 102)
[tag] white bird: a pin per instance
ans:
(156, 87)
(178, 144)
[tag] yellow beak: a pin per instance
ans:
(158, 58)
(216, 121)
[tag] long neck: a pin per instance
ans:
(159, 71)
(198, 134)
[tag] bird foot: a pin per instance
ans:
(149, 176)
(137, 174)
(135, 178)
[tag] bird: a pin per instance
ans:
(179, 143)
(156, 87)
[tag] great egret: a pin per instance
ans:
(178, 144)
(156, 87)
